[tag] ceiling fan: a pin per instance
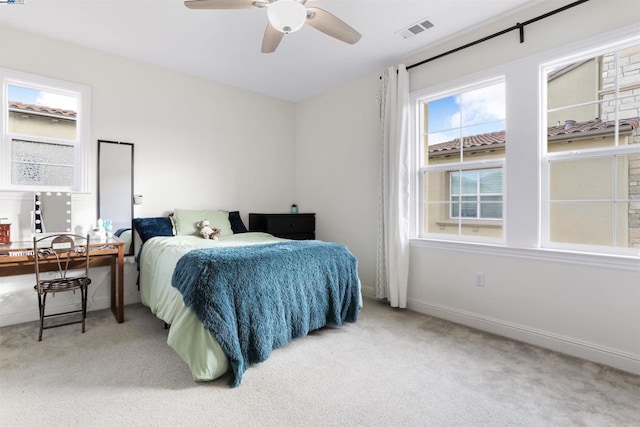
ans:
(286, 16)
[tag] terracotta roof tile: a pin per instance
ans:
(570, 127)
(41, 109)
(497, 139)
(485, 139)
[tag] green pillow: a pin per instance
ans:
(185, 221)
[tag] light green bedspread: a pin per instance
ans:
(187, 335)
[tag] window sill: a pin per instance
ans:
(620, 262)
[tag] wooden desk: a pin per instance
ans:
(16, 258)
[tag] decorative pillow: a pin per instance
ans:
(237, 226)
(152, 227)
(185, 221)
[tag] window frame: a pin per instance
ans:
(81, 144)
(418, 201)
(606, 152)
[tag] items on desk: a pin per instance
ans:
(5, 231)
(52, 212)
(98, 231)
(108, 227)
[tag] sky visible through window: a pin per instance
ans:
(42, 98)
(468, 113)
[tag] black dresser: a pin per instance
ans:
(300, 226)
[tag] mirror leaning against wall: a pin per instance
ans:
(115, 189)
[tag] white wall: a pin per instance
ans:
(337, 155)
(587, 306)
(198, 144)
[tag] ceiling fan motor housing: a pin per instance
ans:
(287, 16)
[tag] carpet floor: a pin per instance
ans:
(391, 368)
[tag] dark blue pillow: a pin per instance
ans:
(237, 226)
(152, 227)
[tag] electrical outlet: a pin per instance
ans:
(479, 279)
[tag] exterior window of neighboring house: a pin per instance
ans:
(591, 193)
(45, 128)
(476, 194)
(462, 152)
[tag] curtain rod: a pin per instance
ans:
(519, 26)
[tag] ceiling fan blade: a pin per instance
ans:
(331, 25)
(271, 39)
(219, 4)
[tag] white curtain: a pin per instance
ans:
(393, 221)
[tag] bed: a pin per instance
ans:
(176, 257)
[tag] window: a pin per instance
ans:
(478, 195)
(45, 130)
(592, 151)
(462, 145)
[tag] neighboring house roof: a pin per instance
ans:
(571, 130)
(492, 139)
(41, 110)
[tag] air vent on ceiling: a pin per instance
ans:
(415, 29)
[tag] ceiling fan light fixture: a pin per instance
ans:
(287, 16)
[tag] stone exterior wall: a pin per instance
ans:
(629, 107)
(634, 207)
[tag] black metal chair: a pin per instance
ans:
(67, 257)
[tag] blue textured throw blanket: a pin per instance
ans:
(254, 299)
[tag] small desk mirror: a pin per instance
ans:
(115, 189)
(52, 212)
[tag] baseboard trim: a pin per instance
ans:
(94, 304)
(368, 292)
(562, 344)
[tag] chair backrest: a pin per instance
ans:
(66, 251)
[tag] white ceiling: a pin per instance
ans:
(224, 45)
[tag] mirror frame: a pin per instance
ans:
(100, 142)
